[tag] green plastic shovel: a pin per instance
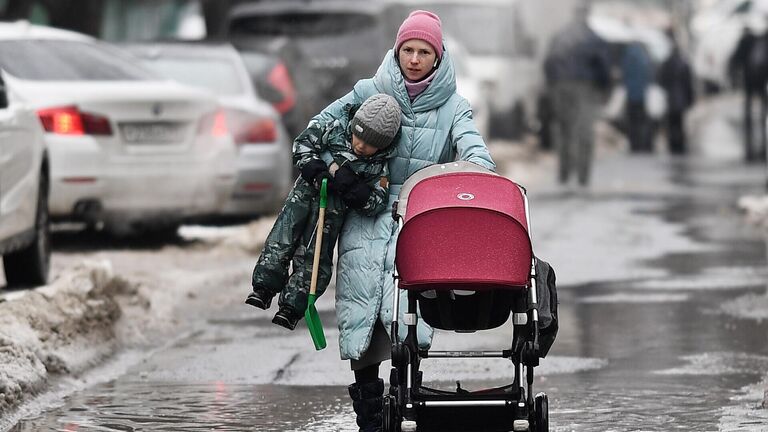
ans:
(310, 315)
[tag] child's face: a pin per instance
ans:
(361, 148)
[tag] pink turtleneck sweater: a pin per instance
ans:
(415, 88)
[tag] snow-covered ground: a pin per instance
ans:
(59, 329)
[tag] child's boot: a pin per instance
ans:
(286, 317)
(260, 298)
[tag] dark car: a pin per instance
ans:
(327, 46)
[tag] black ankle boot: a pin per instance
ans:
(286, 317)
(259, 298)
(367, 402)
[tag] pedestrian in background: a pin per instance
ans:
(544, 115)
(437, 127)
(577, 71)
(676, 78)
(358, 145)
(637, 76)
(749, 66)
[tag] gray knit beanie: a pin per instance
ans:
(377, 121)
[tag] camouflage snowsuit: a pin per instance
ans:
(293, 234)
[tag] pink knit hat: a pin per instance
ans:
(422, 25)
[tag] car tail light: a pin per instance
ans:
(260, 131)
(69, 120)
(281, 80)
(214, 124)
(220, 124)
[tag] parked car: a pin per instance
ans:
(24, 173)
(127, 148)
(326, 45)
(264, 163)
(273, 82)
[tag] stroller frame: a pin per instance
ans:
(510, 407)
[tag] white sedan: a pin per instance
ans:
(24, 235)
(127, 148)
(264, 148)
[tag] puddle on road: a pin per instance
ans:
(584, 402)
(145, 406)
(589, 403)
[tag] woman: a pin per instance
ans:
(437, 127)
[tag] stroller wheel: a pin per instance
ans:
(541, 413)
(390, 422)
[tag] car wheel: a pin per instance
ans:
(29, 266)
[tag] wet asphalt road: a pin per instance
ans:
(649, 262)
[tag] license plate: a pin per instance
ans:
(152, 132)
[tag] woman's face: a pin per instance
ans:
(417, 58)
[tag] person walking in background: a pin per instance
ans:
(675, 77)
(636, 76)
(544, 115)
(577, 71)
(437, 127)
(749, 66)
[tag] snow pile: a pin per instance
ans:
(756, 208)
(62, 328)
(750, 306)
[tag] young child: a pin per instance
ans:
(358, 151)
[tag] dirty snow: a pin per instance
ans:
(714, 278)
(122, 300)
(756, 209)
(634, 298)
(718, 364)
(63, 328)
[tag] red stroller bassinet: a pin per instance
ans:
(464, 257)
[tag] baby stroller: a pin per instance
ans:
(464, 258)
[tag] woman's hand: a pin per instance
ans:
(357, 196)
(345, 178)
(351, 187)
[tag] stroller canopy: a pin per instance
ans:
(464, 228)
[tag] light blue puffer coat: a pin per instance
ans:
(437, 127)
